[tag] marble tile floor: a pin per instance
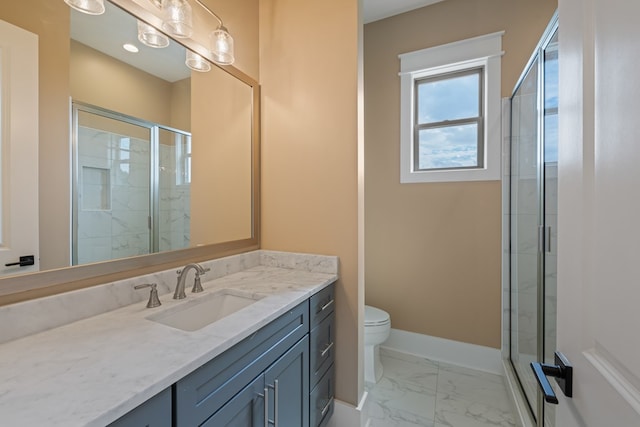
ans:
(419, 392)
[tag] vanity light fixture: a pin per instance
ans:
(90, 7)
(151, 37)
(178, 18)
(197, 62)
(221, 41)
(222, 46)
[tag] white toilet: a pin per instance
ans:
(377, 325)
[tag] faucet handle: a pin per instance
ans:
(197, 286)
(154, 301)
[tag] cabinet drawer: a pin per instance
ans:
(204, 391)
(155, 412)
(322, 348)
(322, 304)
(321, 400)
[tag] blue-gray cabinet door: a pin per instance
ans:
(155, 412)
(287, 385)
(202, 393)
(246, 409)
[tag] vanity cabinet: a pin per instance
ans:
(202, 393)
(281, 376)
(322, 356)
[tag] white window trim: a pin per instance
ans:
(484, 51)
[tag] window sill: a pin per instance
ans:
(449, 175)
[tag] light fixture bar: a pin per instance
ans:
(205, 7)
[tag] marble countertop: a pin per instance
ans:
(92, 371)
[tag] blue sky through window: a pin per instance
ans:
(448, 147)
(448, 99)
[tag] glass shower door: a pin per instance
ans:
(550, 189)
(112, 188)
(533, 218)
(525, 210)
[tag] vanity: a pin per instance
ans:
(269, 361)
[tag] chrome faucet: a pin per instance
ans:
(182, 277)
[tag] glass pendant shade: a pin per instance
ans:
(222, 46)
(197, 62)
(151, 37)
(178, 18)
(90, 7)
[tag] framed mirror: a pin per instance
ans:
(163, 159)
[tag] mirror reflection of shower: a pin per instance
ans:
(131, 186)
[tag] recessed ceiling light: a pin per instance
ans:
(130, 48)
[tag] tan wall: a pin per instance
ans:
(103, 81)
(308, 74)
(221, 185)
(181, 104)
(432, 252)
(100, 80)
(50, 21)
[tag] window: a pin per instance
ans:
(450, 112)
(448, 121)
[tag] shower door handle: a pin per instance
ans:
(547, 239)
(563, 373)
(544, 239)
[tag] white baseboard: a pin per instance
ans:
(472, 356)
(346, 415)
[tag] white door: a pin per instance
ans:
(18, 149)
(599, 211)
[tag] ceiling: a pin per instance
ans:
(375, 10)
(108, 32)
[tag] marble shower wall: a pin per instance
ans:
(175, 201)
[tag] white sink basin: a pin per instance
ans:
(197, 313)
